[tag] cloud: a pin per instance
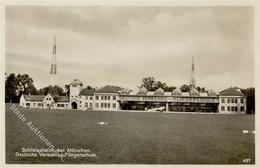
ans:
(121, 45)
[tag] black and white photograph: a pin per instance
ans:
(129, 84)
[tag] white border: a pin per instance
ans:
(255, 3)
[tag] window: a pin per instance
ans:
(114, 97)
(96, 97)
(108, 105)
(228, 108)
(232, 100)
(235, 100)
(242, 108)
(105, 105)
(90, 105)
(105, 97)
(96, 105)
(102, 98)
(62, 105)
(228, 100)
(91, 97)
(101, 105)
(242, 100)
(222, 108)
(27, 104)
(222, 100)
(232, 108)
(86, 104)
(235, 108)
(40, 104)
(114, 105)
(108, 97)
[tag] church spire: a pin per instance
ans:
(192, 80)
(53, 64)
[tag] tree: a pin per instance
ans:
(185, 88)
(15, 86)
(56, 90)
(67, 89)
(250, 99)
(11, 91)
(148, 83)
(25, 84)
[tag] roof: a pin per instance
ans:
(231, 92)
(167, 93)
(125, 91)
(176, 92)
(109, 89)
(87, 92)
(142, 91)
(185, 93)
(212, 93)
(159, 92)
(63, 99)
(150, 93)
(204, 94)
(34, 97)
(194, 92)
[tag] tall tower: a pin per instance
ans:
(53, 64)
(192, 79)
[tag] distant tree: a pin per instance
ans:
(185, 88)
(148, 83)
(67, 89)
(56, 90)
(15, 86)
(151, 84)
(89, 87)
(250, 99)
(201, 89)
(25, 84)
(11, 90)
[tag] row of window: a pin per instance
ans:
(102, 105)
(105, 97)
(231, 100)
(97, 97)
(232, 108)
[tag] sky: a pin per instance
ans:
(120, 45)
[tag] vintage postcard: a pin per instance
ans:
(129, 84)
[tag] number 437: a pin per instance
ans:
(246, 160)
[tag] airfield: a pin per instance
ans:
(134, 137)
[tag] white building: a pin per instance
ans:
(232, 100)
(105, 98)
(112, 98)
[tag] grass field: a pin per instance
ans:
(135, 138)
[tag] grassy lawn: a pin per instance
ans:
(134, 138)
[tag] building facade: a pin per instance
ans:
(112, 98)
(232, 100)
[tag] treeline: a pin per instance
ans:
(151, 85)
(16, 85)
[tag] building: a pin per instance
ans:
(172, 101)
(232, 100)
